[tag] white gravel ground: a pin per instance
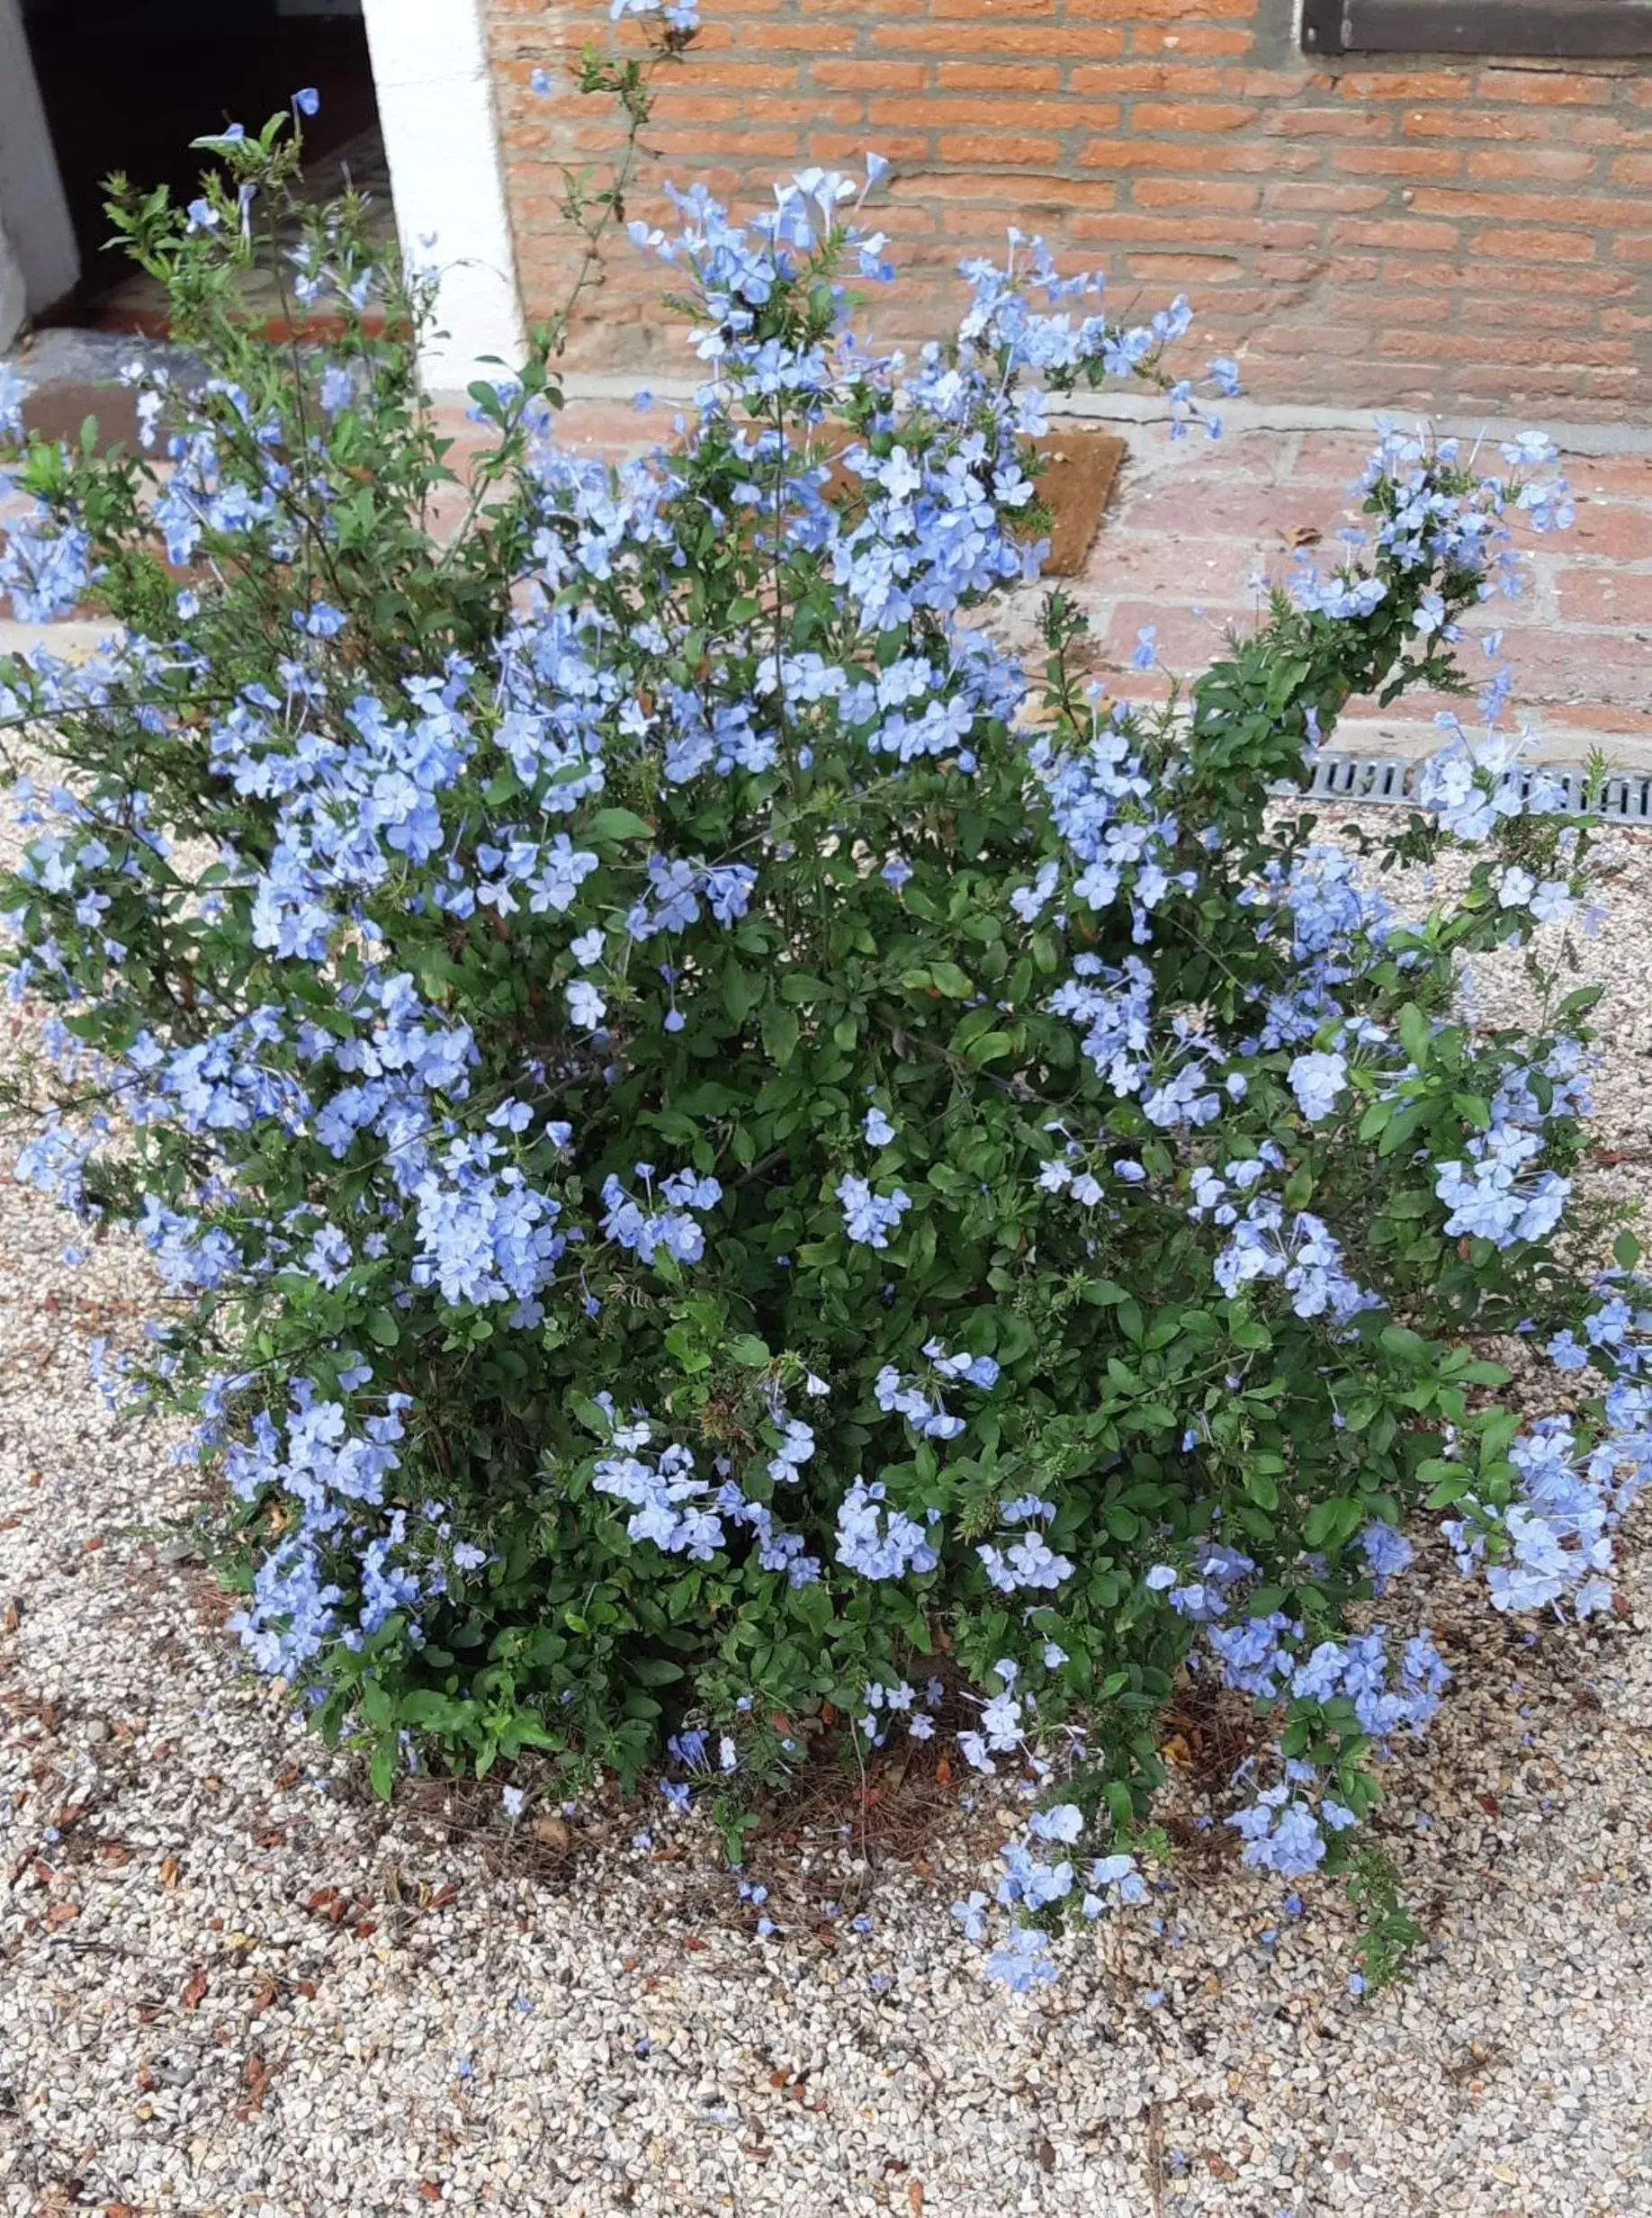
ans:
(232, 1983)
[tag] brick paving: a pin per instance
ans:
(1194, 522)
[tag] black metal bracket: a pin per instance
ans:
(1558, 29)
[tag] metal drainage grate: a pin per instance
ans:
(1383, 782)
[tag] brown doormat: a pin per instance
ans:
(58, 409)
(1081, 470)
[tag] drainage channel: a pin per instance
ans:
(1378, 781)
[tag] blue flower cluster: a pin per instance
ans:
(402, 909)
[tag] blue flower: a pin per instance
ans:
(585, 1006)
(1024, 1962)
(1316, 1080)
(869, 1219)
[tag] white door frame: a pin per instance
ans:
(434, 84)
(33, 213)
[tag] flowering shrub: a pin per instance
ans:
(718, 1152)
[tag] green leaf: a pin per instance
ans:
(1449, 1490)
(1416, 1035)
(781, 1033)
(617, 824)
(741, 990)
(591, 1415)
(1329, 1524)
(383, 1329)
(1408, 1347)
(425, 1709)
(747, 1348)
(382, 1769)
(956, 984)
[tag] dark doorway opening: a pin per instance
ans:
(127, 84)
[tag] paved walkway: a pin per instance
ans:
(1193, 523)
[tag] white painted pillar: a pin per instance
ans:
(32, 208)
(431, 76)
(13, 297)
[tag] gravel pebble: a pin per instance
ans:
(232, 1983)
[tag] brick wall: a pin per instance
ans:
(1451, 236)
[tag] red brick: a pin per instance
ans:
(1406, 84)
(1397, 231)
(980, 12)
(1330, 338)
(1026, 149)
(1353, 269)
(998, 77)
(967, 112)
(1188, 639)
(1142, 76)
(1602, 131)
(1351, 231)
(1534, 245)
(777, 145)
(1212, 115)
(1067, 43)
(788, 33)
(1268, 86)
(1231, 232)
(1561, 164)
(1455, 123)
(876, 76)
(1397, 161)
(846, 148)
(1256, 515)
(1614, 529)
(1605, 595)
(724, 108)
(1047, 198)
(1329, 123)
(1540, 208)
(1147, 11)
(1341, 200)
(1335, 457)
(1469, 346)
(1182, 569)
(1523, 309)
(1558, 667)
(1186, 269)
(1546, 88)
(1193, 192)
(1189, 39)
(1606, 477)
(1183, 155)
